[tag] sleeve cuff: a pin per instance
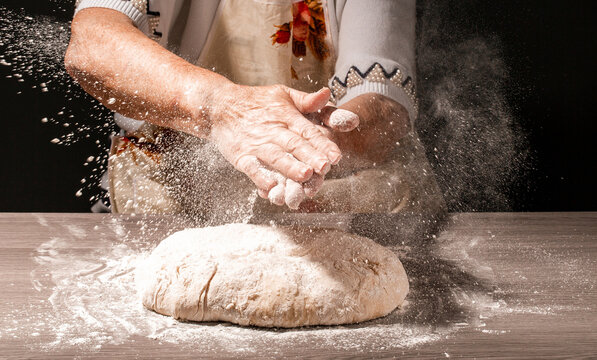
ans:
(394, 85)
(138, 16)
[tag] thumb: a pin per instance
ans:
(309, 102)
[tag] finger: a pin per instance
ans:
(309, 102)
(294, 194)
(302, 150)
(277, 193)
(279, 178)
(251, 166)
(309, 131)
(263, 194)
(341, 120)
(276, 158)
(313, 185)
(325, 131)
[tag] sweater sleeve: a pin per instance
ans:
(136, 10)
(376, 51)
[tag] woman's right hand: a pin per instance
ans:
(262, 128)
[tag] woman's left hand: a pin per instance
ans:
(382, 123)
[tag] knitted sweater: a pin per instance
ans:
(374, 40)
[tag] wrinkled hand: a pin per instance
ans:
(262, 132)
(383, 122)
(292, 193)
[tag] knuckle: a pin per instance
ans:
(278, 89)
(243, 163)
(236, 149)
(331, 146)
(279, 161)
(272, 155)
(293, 143)
(269, 151)
(309, 132)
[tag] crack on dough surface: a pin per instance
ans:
(204, 294)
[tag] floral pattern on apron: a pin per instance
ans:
(307, 30)
(240, 44)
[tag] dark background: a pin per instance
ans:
(548, 48)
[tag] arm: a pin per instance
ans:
(376, 51)
(374, 76)
(131, 74)
(252, 126)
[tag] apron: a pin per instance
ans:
(255, 42)
(258, 42)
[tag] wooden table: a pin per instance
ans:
(539, 271)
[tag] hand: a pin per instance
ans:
(383, 122)
(292, 193)
(263, 127)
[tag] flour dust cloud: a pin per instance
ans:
(32, 52)
(473, 141)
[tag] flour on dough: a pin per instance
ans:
(271, 276)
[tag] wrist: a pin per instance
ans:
(202, 96)
(224, 98)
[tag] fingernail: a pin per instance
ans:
(335, 157)
(306, 172)
(325, 168)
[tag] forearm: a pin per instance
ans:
(131, 74)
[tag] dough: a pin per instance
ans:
(271, 276)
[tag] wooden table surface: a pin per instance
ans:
(537, 270)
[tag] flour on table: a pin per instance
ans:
(83, 298)
(271, 276)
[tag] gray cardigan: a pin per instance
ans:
(374, 40)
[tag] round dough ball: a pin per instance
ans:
(271, 276)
